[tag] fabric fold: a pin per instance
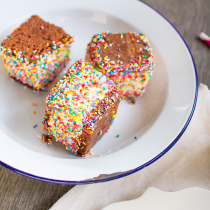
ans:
(187, 164)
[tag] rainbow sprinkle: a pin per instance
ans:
(41, 69)
(76, 103)
(131, 78)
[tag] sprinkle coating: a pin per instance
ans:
(76, 103)
(30, 54)
(128, 61)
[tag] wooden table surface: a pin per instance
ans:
(190, 17)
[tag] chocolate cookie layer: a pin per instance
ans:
(122, 48)
(35, 37)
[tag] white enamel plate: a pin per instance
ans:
(146, 130)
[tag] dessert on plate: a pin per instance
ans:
(36, 52)
(125, 58)
(80, 108)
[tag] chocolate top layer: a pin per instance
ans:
(122, 48)
(34, 37)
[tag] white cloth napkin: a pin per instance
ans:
(187, 164)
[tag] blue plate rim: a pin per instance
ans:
(138, 168)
